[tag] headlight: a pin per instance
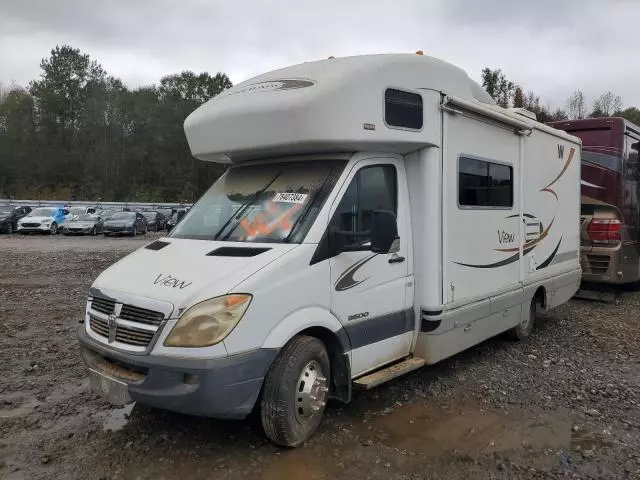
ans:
(208, 322)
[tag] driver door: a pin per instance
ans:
(367, 289)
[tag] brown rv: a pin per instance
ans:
(610, 217)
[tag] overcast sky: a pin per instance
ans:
(549, 46)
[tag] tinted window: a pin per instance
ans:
(402, 109)
(484, 184)
(373, 188)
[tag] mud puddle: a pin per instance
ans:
(431, 433)
(116, 420)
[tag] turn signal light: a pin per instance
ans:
(605, 231)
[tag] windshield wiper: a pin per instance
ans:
(240, 212)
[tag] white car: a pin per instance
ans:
(43, 220)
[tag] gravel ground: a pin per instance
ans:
(566, 404)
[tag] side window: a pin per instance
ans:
(403, 109)
(484, 184)
(372, 188)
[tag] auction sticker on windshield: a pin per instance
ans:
(284, 197)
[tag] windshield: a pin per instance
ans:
(77, 210)
(274, 202)
(86, 217)
(43, 212)
(122, 216)
(149, 215)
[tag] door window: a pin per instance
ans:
(372, 188)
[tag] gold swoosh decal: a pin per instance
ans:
(564, 169)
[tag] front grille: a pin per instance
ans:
(128, 335)
(598, 264)
(133, 336)
(142, 335)
(30, 225)
(99, 326)
(141, 315)
(103, 305)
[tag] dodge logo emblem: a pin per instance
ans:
(112, 328)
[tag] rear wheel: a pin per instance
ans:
(135, 231)
(295, 392)
(93, 232)
(523, 330)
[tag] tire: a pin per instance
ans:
(106, 234)
(94, 232)
(292, 408)
(523, 330)
(9, 228)
(54, 229)
(135, 231)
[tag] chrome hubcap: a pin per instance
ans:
(311, 391)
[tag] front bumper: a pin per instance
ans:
(77, 230)
(222, 387)
(112, 229)
(39, 228)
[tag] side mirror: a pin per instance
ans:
(384, 232)
(382, 238)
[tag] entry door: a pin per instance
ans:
(368, 289)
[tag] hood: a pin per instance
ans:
(36, 219)
(183, 272)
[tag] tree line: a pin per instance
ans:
(509, 94)
(78, 133)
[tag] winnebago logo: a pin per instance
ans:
(506, 237)
(560, 151)
(169, 281)
(271, 86)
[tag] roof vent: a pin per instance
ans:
(524, 112)
(237, 251)
(157, 245)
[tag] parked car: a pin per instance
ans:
(84, 224)
(175, 218)
(167, 212)
(77, 211)
(129, 223)
(9, 216)
(43, 220)
(155, 221)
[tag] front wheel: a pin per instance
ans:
(134, 232)
(523, 330)
(9, 228)
(94, 231)
(295, 392)
(54, 229)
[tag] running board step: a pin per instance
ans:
(389, 373)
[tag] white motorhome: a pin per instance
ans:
(379, 213)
